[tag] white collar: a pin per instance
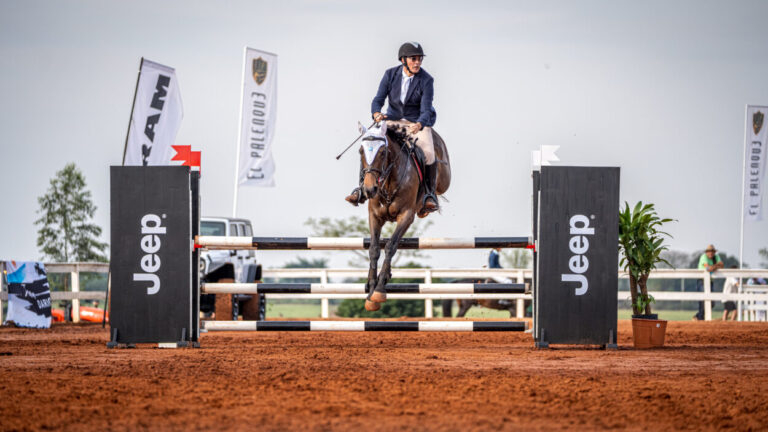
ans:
(405, 75)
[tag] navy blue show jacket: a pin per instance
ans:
(418, 102)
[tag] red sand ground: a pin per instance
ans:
(709, 376)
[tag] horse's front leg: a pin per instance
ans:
(404, 221)
(373, 254)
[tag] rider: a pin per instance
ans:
(410, 91)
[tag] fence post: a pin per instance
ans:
(707, 290)
(75, 279)
(324, 301)
(520, 305)
(428, 302)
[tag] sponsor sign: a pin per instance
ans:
(155, 118)
(257, 119)
(754, 161)
(29, 297)
(151, 245)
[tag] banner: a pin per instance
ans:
(155, 118)
(257, 119)
(29, 296)
(754, 161)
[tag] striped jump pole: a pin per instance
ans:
(426, 326)
(359, 288)
(357, 243)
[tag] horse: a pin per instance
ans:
(392, 185)
(466, 304)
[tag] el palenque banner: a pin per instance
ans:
(754, 163)
(29, 296)
(258, 111)
(156, 116)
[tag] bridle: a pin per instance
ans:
(382, 176)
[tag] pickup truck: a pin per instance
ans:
(229, 266)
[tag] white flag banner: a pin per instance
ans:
(257, 119)
(754, 161)
(156, 116)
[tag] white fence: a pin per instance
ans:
(752, 300)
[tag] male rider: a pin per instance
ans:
(409, 89)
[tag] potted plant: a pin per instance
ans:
(641, 243)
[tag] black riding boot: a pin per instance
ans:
(357, 196)
(430, 179)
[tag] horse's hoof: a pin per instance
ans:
(371, 306)
(422, 214)
(378, 297)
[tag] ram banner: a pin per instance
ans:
(155, 118)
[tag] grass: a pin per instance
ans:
(312, 310)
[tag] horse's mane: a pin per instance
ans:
(399, 135)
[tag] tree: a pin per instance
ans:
(356, 226)
(764, 256)
(517, 258)
(67, 232)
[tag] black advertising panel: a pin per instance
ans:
(151, 232)
(577, 267)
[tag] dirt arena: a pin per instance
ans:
(710, 376)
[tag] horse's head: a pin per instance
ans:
(375, 158)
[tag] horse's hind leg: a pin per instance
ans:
(404, 221)
(373, 254)
(464, 306)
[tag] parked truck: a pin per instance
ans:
(229, 266)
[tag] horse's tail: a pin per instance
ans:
(447, 308)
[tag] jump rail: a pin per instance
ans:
(357, 243)
(359, 288)
(435, 326)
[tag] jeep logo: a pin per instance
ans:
(579, 245)
(150, 245)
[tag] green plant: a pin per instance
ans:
(641, 243)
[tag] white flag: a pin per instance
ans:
(257, 119)
(754, 161)
(156, 117)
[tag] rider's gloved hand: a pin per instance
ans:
(377, 117)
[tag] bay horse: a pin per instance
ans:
(393, 187)
(466, 304)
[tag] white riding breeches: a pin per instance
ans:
(423, 139)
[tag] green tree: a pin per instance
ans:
(356, 226)
(391, 309)
(517, 258)
(67, 233)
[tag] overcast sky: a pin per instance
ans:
(656, 88)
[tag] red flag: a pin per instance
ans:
(190, 158)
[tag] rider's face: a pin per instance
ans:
(414, 63)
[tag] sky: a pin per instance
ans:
(656, 88)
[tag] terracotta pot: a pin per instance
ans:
(648, 333)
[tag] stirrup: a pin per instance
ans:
(360, 197)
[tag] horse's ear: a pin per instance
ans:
(361, 128)
(383, 128)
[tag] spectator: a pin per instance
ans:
(731, 287)
(711, 262)
(493, 258)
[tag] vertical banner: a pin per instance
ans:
(29, 297)
(754, 161)
(155, 117)
(150, 255)
(577, 234)
(257, 120)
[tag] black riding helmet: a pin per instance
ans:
(410, 49)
